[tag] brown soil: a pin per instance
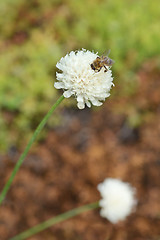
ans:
(63, 172)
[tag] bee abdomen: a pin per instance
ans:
(109, 61)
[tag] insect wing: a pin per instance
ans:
(106, 53)
(112, 61)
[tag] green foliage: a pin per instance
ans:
(26, 81)
(35, 34)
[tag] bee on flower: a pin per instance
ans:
(102, 61)
(78, 79)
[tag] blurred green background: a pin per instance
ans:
(35, 34)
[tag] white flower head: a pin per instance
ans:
(79, 79)
(118, 199)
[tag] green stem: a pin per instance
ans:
(60, 218)
(26, 150)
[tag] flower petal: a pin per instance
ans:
(67, 94)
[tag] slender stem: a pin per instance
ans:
(60, 218)
(26, 150)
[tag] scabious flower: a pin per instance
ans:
(118, 199)
(79, 79)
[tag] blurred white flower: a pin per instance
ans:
(79, 79)
(118, 199)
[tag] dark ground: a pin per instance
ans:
(63, 172)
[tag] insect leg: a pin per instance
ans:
(99, 69)
(106, 69)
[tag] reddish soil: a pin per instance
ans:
(62, 172)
